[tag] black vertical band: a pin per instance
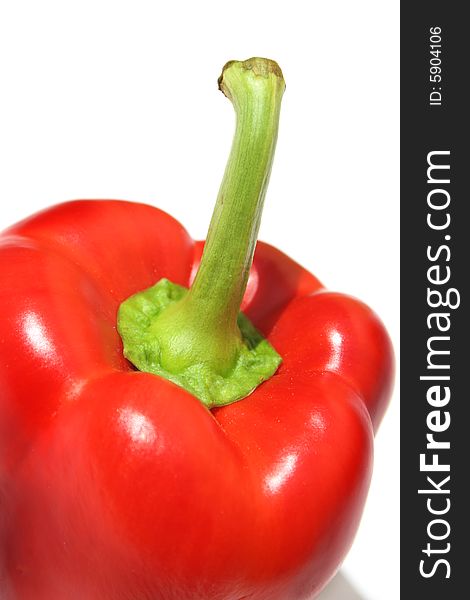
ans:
(435, 265)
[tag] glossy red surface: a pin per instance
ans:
(118, 485)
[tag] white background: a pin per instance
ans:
(117, 99)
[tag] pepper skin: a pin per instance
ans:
(116, 484)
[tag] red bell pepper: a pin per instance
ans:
(117, 483)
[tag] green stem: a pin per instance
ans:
(197, 338)
(255, 88)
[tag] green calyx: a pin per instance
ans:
(138, 318)
(198, 338)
